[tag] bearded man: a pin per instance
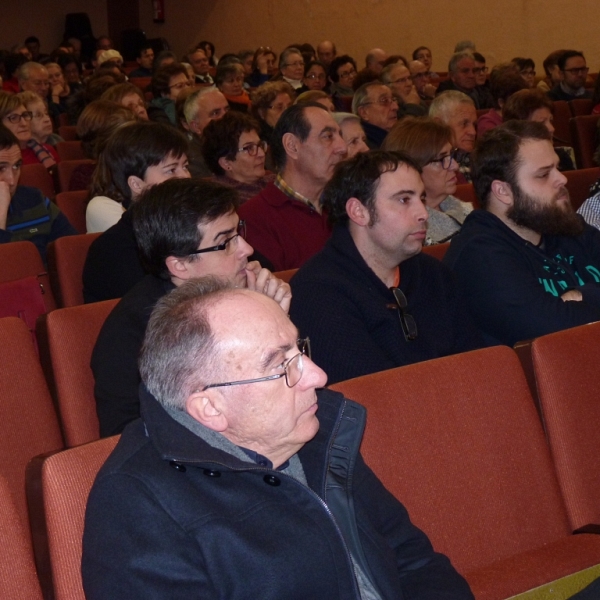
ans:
(528, 265)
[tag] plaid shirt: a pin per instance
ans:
(288, 191)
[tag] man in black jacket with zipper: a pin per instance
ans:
(241, 479)
(528, 265)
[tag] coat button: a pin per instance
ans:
(272, 480)
(211, 473)
(178, 466)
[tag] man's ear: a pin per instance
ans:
(291, 145)
(358, 212)
(206, 408)
(502, 192)
(178, 267)
(361, 112)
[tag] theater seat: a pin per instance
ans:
(68, 132)
(466, 193)
(70, 150)
(437, 250)
(578, 184)
(584, 135)
(69, 336)
(581, 106)
(37, 176)
(566, 369)
(58, 487)
(459, 442)
(66, 259)
(562, 114)
(74, 205)
(65, 170)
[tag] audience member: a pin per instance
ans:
(352, 133)
(184, 229)
(59, 90)
(229, 79)
(315, 77)
(369, 300)
(285, 221)
(378, 111)
(130, 96)
(291, 67)
(326, 52)
(144, 59)
(164, 58)
(527, 264)
(269, 102)
(429, 144)
(41, 123)
(534, 105)
(552, 70)
(15, 117)
(457, 110)
(263, 67)
(234, 152)
(33, 45)
(316, 96)
(463, 72)
(138, 156)
(423, 54)
(526, 68)
(335, 532)
(209, 50)
(167, 83)
(25, 214)
(421, 78)
(375, 60)
(342, 73)
(574, 72)
(201, 65)
(397, 77)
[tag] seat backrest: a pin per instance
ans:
(567, 376)
(22, 259)
(459, 442)
(70, 150)
(437, 250)
(286, 275)
(578, 184)
(66, 259)
(466, 193)
(18, 577)
(73, 205)
(58, 489)
(65, 170)
(141, 82)
(28, 423)
(562, 114)
(37, 176)
(581, 106)
(583, 134)
(68, 132)
(70, 336)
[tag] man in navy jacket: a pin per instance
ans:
(528, 265)
(241, 480)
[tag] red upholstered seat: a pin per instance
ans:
(578, 184)
(37, 176)
(459, 442)
(74, 205)
(584, 135)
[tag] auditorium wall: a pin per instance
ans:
(501, 30)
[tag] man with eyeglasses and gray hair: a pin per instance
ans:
(243, 477)
(370, 300)
(184, 229)
(377, 108)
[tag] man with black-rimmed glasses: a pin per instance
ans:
(370, 300)
(574, 70)
(184, 228)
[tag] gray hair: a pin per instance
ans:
(284, 55)
(361, 96)
(180, 353)
(463, 45)
(456, 58)
(342, 117)
(24, 72)
(190, 108)
(442, 105)
(385, 75)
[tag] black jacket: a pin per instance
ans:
(171, 517)
(352, 319)
(513, 288)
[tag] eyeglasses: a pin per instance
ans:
(401, 80)
(320, 76)
(407, 322)
(40, 115)
(480, 70)
(252, 148)
(229, 245)
(581, 70)
(383, 101)
(345, 74)
(279, 107)
(15, 118)
(298, 63)
(180, 86)
(527, 73)
(445, 161)
(292, 369)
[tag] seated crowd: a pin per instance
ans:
(234, 170)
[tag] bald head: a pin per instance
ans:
(326, 51)
(375, 59)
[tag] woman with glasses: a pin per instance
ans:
(234, 152)
(15, 117)
(429, 144)
(291, 67)
(167, 83)
(41, 123)
(315, 77)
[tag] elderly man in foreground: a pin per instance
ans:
(241, 480)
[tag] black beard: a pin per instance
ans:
(545, 219)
